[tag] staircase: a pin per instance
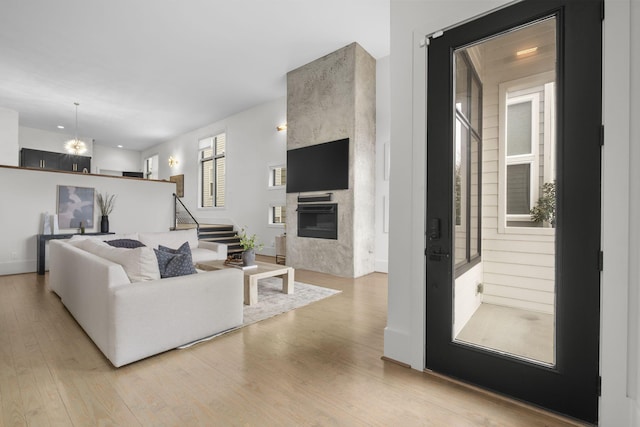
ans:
(219, 233)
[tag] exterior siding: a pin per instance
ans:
(519, 267)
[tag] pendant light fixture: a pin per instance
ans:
(75, 146)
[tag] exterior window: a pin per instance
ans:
(277, 176)
(212, 171)
(521, 155)
(278, 215)
(467, 162)
(526, 149)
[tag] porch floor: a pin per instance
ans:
(511, 330)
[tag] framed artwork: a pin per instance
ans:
(75, 205)
(179, 180)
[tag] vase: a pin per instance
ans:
(104, 224)
(248, 257)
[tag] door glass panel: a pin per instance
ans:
(504, 194)
(474, 200)
(476, 104)
(462, 95)
(460, 196)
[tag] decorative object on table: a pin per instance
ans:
(46, 223)
(249, 245)
(238, 262)
(75, 205)
(179, 180)
(54, 224)
(106, 203)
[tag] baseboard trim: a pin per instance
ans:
(382, 266)
(507, 399)
(17, 267)
(395, 362)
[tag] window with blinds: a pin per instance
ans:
(212, 171)
(277, 176)
(278, 215)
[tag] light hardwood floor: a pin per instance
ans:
(317, 365)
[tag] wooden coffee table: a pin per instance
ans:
(251, 277)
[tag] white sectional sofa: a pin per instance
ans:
(129, 321)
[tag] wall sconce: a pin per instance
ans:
(282, 127)
(172, 161)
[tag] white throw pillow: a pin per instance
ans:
(140, 264)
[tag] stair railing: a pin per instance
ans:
(182, 215)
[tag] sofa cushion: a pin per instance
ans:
(171, 239)
(173, 264)
(78, 237)
(185, 250)
(140, 264)
(125, 243)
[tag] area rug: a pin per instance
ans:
(271, 302)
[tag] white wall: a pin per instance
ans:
(383, 144)
(619, 315)
(467, 298)
(115, 159)
(39, 139)
(9, 153)
(253, 144)
(634, 201)
(140, 206)
(404, 335)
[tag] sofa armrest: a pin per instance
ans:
(82, 282)
(147, 318)
(219, 248)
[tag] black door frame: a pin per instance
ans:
(572, 385)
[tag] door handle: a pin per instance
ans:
(436, 254)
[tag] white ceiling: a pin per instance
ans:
(145, 71)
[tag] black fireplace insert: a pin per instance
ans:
(318, 220)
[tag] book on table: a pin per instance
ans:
(239, 265)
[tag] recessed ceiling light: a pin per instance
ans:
(119, 146)
(60, 127)
(527, 51)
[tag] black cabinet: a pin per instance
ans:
(39, 159)
(30, 158)
(69, 162)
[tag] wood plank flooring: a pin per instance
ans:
(318, 365)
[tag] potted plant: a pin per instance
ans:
(249, 245)
(106, 204)
(545, 208)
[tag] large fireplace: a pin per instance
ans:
(318, 220)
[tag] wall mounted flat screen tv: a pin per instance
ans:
(320, 167)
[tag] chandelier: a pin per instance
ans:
(75, 146)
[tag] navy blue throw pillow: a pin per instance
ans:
(184, 250)
(125, 243)
(173, 265)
